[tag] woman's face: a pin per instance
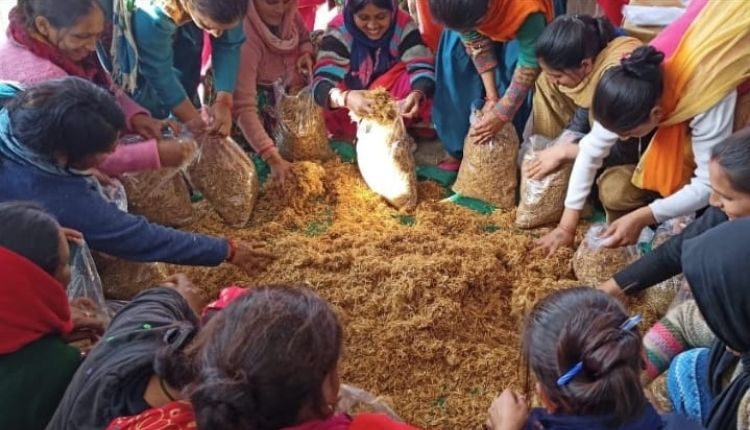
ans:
(654, 119)
(62, 273)
(272, 11)
(373, 21)
(570, 78)
(207, 24)
(78, 41)
(734, 203)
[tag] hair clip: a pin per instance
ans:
(568, 376)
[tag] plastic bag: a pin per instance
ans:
(122, 280)
(227, 178)
(541, 201)
(488, 172)
(353, 400)
(85, 287)
(594, 263)
(163, 195)
(670, 228)
(116, 193)
(301, 131)
(384, 154)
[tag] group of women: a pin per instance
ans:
(650, 125)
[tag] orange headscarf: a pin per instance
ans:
(429, 28)
(505, 17)
(712, 59)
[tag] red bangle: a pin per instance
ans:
(232, 250)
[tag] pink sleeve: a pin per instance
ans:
(131, 158)
(305, 45)
(245, 98)
(129, 106)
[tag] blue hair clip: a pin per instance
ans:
(568, 376)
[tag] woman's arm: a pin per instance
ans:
(419, 61)
(331, 67)
(708, 129)
(154, 32)
(245, 99)
(226, 58)
(481, 50)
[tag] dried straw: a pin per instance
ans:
(541, 202)
(162, 196)
(431, 310)
(302, 133)
(489, 172)
(122, 280)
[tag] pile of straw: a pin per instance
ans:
(431, 302)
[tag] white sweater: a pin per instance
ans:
(707, 129)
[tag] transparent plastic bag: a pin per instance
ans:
(116, 193)
(163, 195)
(541, 201)
(301, 133)
(353, 400)
(670, 228)
(489, 172)
(227, 178)
(594, 263)
(85, 288)
(384, 154)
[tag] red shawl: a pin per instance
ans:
(33, 304)
(89, 68)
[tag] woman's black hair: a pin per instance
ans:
(459, 14)
(358, 5)
(257, 363)
(627, 93)
(59, 13)
(221, 11)
(733, 155)
(569, 40)
(71, 116)
(583, 325)
(29, 231)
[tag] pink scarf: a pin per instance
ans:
(669, 39)
(288, 39)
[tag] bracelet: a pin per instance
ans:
(346, 97)
(232, 250)
(566, 229)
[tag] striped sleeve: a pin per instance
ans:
(419, 60)
(332, 64)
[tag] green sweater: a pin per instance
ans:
(33, 380)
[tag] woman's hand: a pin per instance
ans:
(558, 238)
(626, 230)
(549, 160)
(197, 127)
(251, 257)
(611, 287)
(175, 152)
(358, 102)
(191, 294)
(73, 236)
(220, 122)
(151, 128)
(485, 130)
(508, 412)
(410, 105)
(281, 170)
(86, 325)
(305, 65)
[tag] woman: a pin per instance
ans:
(372, 44)
(729, 175)
(709, 384)
(690, 107)
(50, 39)
(36, 321)
(585, 354)
(157, 47)
(49, 135)
(574, 52)
(267, 361)
(122, 374)
(471, 65)
(277, 49)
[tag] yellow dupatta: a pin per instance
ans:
(712, 59)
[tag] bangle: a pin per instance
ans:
(232, 250)
(346, 97)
